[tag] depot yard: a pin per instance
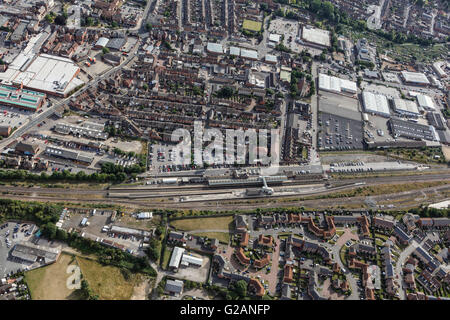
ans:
(218, 223)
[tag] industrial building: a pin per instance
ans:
(425, 102)
(175, 259)
(188, 260)
(375, 104)
(84, 131)
(30, 253)
(131, 232)
(66, 154)
(215, 48)
(406, 108)
(411, 130)
(101, 43)
(316, 37)
(22, 99)
(415, 78)
(337, 85)
(52, 75)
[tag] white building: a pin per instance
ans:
(416, 78)
(376, 104)
(338, 85)
(214, 48)
(406, 107)
(145, 215)
(188, 260)
(175, 259)
(317, 37)
(425, 102)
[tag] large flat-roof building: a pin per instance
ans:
(411, 130)
(22, 99)
(337, 85)
(375, 104)
(405, 107)
(175, 259)
(52, 75)
(425, 102)
(316, 37)
(415, 78)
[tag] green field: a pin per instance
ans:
(213, 223)
(223, 237)
(166, 257)
(252, 25)
(50, 282)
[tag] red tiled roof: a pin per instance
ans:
(257, 285)
(288, 273)
(263, 261)
(242, 257)
(244, 239)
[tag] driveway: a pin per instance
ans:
(398, 267)
(336, 249)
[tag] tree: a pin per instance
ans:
(105, 50)
(225, 92)
(240, 288)
(61, 20)
(49, 230)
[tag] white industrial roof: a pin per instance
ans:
(415, 77)
(43, 73)
(402, 105)
(102, 42)
(335, 84)
(176, 257)
(317, 36)
(271, 58)
(188, 259)
(235, 51)
(375, 103)
(274, 37)
(425, 101)
(246, 53)
(214, 47)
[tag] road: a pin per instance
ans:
(315, 111)
(47, 113)
(398, 267)
(351, 280)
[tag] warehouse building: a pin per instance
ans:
(83, 131)
(45, 73)
(21, 99)
(336, 85)
(376, 104)
(316, 37)
(215, 48)
(71, 155)
(141, 234)
(425, 102)
(30, 253)
(101, 43)
(415, 78)
(175, 259)
(406, 108)
(411, 130)
(190, 260)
